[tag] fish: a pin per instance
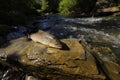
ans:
(46, 39)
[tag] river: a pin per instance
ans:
(97, 31)
(101, 33)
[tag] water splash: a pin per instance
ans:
(89, 20)
(104, 35)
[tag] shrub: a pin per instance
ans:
(44, 6)
(66, 7)
(76, 8)
(49, 6)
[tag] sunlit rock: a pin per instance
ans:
(30, 77)
(110, 9)
(51, 62)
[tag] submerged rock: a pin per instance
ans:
(72, 62)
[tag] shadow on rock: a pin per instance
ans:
(5, 44)
(13, 59)
(64, 46)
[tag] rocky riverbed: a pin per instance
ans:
(90, 50)
(74, 61)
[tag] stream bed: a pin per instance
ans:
(102, 33)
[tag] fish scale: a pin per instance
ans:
(46, 39)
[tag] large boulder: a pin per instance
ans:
(72, 62)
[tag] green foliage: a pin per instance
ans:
(76, 8)
(49, 6)
(44, 6)
(119, 5)
(66, 7)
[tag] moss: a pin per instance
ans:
(44, 6)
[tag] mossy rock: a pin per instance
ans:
(69, 63)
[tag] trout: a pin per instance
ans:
(46, 39)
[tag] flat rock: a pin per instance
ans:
(70, 63)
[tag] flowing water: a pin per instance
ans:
(103, 33)
(99, 32)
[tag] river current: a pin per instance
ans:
(103, 31)
(100, 31)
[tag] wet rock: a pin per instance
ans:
(113, 70)
(31, 77)
(70, 63)
(105, 53)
